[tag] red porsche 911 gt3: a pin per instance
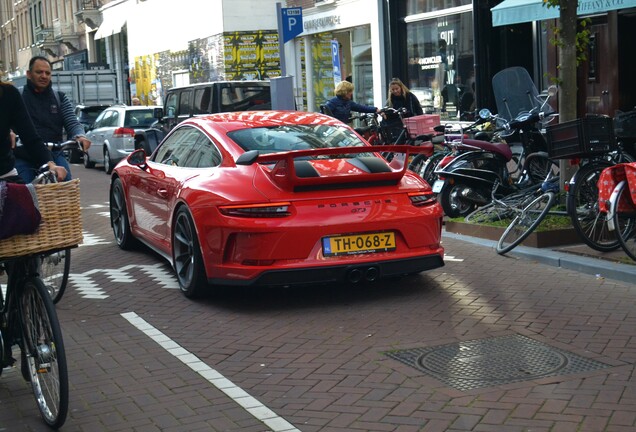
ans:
(276, 198)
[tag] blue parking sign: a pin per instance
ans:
(335, 57)
(292, 22)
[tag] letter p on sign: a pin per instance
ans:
(292, 23)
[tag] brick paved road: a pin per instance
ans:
(314, 357)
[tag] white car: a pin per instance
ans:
(113, 134)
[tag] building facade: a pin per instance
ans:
(446, 51)
(340, 40)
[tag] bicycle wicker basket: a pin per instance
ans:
(61, 225)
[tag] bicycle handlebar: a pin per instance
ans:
(66, 145)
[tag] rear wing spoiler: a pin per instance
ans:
(293, 170)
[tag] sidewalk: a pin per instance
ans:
(579, 257)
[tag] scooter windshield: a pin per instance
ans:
(515, 93)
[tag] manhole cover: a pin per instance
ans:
(493, 361)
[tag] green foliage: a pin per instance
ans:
(582, 39)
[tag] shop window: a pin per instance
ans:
(441, 59)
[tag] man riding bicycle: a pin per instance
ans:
(52, 114)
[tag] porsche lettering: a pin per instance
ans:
(355, 204)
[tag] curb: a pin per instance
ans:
(593, 266)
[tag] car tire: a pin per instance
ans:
(88, 163)
(186, 255)
(108, 162)
(119, 217)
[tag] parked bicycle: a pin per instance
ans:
(27, 314)
(599, 229)
(596, 150)
(377, 133)
(527, 211)
(617, 197)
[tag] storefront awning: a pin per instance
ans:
(521, 11)
(110, 26)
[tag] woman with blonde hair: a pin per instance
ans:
(342, 104)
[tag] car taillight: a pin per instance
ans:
(123, 133)
(272, 210)
(419, 199)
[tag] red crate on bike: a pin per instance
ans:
(422, 124)
(583, 137)
(61, 225)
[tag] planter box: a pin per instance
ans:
(537, 239)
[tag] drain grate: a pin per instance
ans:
(493, 361)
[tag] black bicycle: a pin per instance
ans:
(29, 320)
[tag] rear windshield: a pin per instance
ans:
(238, 97)
(89, 114)
(294, 137)
(139, 118)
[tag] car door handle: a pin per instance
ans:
(162, 193)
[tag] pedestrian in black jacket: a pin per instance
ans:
(400, 97)
(341, 106)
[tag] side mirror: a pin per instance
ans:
(137, 158)
(157, 113)
(485, 113)
(552, 90)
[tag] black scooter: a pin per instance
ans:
(467, 181)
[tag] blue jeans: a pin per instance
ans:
(27, 171)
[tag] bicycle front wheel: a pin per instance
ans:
(624, 223)
(54, 271)
(43, 351)
(582, 206)
(526, 221)
(428, 170)
(417, 164)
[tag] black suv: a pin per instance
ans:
(207, 98)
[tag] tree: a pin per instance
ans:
(571, 47)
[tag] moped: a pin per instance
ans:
(467, 181)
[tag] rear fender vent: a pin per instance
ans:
(353, 185)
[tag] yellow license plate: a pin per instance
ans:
(358, 243)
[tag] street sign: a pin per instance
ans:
(335, 57)
(292, 22)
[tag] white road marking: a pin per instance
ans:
(88, 288)
(452, 258)
(92, 240)
(237, 394)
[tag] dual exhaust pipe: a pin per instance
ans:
(369, 274)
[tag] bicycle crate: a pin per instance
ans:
(625, 124)
(61, 225)
(583, 137)
(422, 124)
